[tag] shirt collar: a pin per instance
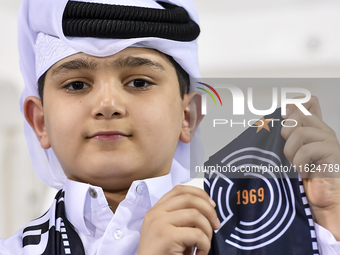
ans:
(82, 200)
(147, 192)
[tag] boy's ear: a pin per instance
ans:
(192, 115)
(34, 115)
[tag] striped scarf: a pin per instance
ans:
(52, 233)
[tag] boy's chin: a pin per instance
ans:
(112, 179)
(108, 183)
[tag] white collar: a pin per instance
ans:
(87, 213)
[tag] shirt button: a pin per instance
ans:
(93, 193)
(141, 188)
(118, 234)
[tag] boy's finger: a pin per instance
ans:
(194, 237)
(313, 106)
(189, 201)
(184, 189)
(301, 136)
(304, 121)
(191, 218)
(322, 154)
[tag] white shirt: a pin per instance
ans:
(104, 232)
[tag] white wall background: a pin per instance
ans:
(21, 192)
(240, 38)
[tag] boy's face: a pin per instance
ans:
(115, 119)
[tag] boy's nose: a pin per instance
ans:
(108, 104)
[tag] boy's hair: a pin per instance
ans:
(182, 76)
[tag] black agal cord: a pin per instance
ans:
(83, 19)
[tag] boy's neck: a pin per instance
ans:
(115, 197)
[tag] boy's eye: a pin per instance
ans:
(77, 85)
(139, 83)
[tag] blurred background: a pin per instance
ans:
(240, 38)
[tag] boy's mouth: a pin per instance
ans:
(108, 135)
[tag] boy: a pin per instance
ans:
(117, 115)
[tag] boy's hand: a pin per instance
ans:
(313, 142)
(183, 219)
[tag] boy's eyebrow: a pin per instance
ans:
(136, 62)
(74, 64)
(129, 61)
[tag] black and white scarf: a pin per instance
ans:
(260, 213)
(52, 233)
